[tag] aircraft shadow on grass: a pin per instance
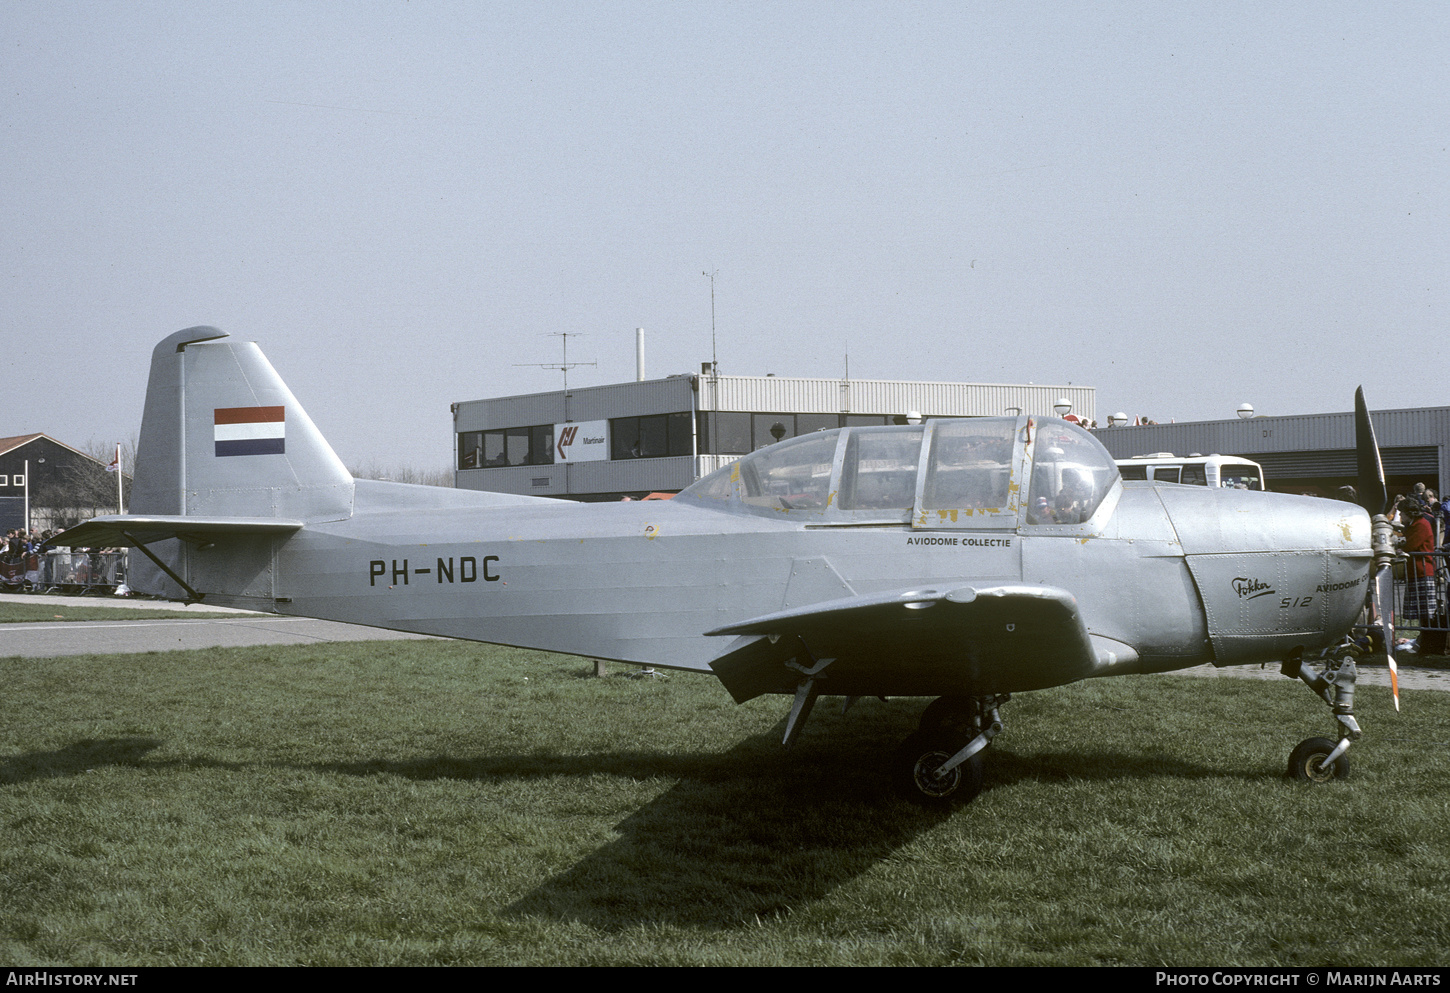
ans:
(718, 848)
(725, 851)
(721, 848)
(75, 759)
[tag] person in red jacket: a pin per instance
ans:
(1420, 599)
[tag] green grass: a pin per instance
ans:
(17, 613)
(440, 802)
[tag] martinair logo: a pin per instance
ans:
(1251, 589)
(566, 438)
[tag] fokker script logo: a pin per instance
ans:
(566, 438)
(1249, 589)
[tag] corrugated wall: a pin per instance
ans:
(771, 394)
(1297, 433)
(625, 476)
(1412, 442)
(592, 403)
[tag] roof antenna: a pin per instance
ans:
(714, 357)
(563, 366)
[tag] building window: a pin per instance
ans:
(470, 449)
(681, 431)
(770, 428)
(507, 447)
(811, 423)
(740, 433)
(656, 436)
(493, 453)
(624, 439)
(541, 444)
(516, 446)
(725, 433)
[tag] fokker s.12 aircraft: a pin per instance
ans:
(960, 559)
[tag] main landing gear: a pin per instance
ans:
(1319, 760)
(942, 762)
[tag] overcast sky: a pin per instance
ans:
(1186, 206)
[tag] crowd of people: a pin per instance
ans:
(25, 569)
(20, 558)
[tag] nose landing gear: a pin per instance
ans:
(1320, 760)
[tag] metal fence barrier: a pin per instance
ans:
(1421, 600)
(65, 571)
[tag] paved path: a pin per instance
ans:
(47, 638)
(135, 603)
(1412, 677)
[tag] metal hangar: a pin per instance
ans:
(1307, 453)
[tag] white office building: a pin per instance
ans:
(660, 435)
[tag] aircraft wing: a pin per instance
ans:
(117, 530)
(967, 640)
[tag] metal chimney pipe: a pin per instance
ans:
(639, 355)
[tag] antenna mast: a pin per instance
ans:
(563, 366)
(714, 357)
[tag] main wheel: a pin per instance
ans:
(957, 712)
(1308, 756)
(917, 760)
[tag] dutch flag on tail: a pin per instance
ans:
(250, 430)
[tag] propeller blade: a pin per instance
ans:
(1384, 604)
(1373, 495)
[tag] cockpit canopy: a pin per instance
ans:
(968, 473)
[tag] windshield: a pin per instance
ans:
(794, 475)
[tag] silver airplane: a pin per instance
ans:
(965, 560)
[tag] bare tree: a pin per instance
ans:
(373, 469)
(76, 491)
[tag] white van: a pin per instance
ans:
(1195, 470)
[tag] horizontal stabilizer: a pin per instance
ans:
(130, 530)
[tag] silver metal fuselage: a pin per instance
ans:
(1173, 576)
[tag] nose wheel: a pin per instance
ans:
(1317, 760)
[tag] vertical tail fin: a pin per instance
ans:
(223, 436)
(223, 441)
